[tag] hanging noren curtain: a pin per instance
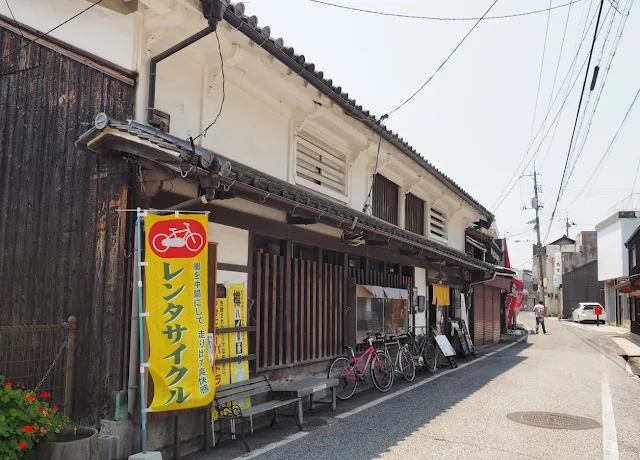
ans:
(441, 295)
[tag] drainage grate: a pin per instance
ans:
(553, 420)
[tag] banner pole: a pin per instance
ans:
(143, 396)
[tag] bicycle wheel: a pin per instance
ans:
(407, 365)
(344, 371)
(382, 371)
(430, 358)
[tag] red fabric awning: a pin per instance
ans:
(518, 284)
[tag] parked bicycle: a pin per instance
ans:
(404, 363)
(423, 349)
(351, 372)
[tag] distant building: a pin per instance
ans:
(551, 271)
(580, 274)
(570, 273)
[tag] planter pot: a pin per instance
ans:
(80, 444)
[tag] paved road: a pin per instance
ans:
(463, 414)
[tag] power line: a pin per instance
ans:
(555, 77)
(596, 170)
(54, 29)
(445, 61)
(614, 49)
(584, 85)
(541, 141)
(544, 51)
(437, 18)
(501, 198)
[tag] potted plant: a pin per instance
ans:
(26, 418)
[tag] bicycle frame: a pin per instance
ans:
(370, 355)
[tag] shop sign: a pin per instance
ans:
(176, 292)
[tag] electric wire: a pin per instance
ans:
(366, 204)
(544, 52)
(603, 79)
(603, 158)
(584, 84)
(31, 42)
(502, 196)
(445, 61)
(436, 18)
(615, 46)
(555, 76)
(15, 21)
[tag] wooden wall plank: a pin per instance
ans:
(260, 361)
(273, 309)
(281, 310)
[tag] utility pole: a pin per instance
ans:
(535, 204)
(568, 224)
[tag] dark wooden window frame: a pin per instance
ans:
(414, 214)
(385, 199)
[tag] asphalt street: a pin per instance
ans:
(462, 414)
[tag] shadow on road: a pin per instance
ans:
(370, 433)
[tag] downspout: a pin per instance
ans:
(153, 64)
(132, 389)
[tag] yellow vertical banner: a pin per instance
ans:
(176, 292)
(222, 371)
(238, 341)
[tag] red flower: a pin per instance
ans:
(55, 409)
(19, 383)
(8, 384)
(31, 398)
(40, 409)
(22, 445)
(45, 394)
(27, 429)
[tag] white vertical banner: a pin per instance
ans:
(557, 269)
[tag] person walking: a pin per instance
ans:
(538, 310)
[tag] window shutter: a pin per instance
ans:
(438, 224)
(321, 164)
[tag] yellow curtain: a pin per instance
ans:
(441, 295)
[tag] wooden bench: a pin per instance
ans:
(227, 397)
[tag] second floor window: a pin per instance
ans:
(320, 164)
(385, 199)
(634, 256)
(414, 214)
(438, 224)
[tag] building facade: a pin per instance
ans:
(309, 195)
(631, 285)
(613, 264)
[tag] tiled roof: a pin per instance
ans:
(248, 25)
(273, 186)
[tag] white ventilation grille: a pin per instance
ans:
(320, 164)
(438, 224)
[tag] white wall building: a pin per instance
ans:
(613, 261)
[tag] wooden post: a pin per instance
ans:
(71, 358)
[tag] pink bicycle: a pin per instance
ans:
(350, 373)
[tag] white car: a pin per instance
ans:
(584, 311)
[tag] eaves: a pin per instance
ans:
(152, 144)
(248, 25)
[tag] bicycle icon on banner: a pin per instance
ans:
(162, 242)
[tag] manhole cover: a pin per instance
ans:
(553, 420)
